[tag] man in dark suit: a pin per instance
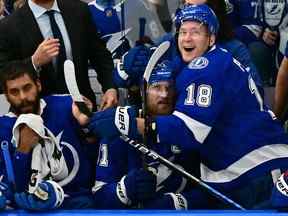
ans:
(28, 35)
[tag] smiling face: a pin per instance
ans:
(194, 40)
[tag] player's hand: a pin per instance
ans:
(28, 139)
(130, 70)
(79, 116)
(270, 37)
(109, 99)
(140, 185)
(45, 52)
(48, 195)
(114, 122)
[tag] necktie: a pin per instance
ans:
(59, 76)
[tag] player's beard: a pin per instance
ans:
(40, 2)
(26, 106)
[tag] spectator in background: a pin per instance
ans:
(50, 31)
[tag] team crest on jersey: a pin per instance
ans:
(108, 12)
(198, 63)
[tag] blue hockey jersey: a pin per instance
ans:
(244, 17)
(220, 113)
(57, 117)
(108, 25)
(116, 158)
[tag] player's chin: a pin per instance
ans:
(27, 109)
(164, 109)
(188, 56)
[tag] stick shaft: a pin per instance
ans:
(155, 156)
(8, 163)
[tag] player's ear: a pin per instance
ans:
(38, 84)
(212, 40)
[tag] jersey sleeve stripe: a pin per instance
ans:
(199, 129)
(248, 162)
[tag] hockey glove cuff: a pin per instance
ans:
(139, 185)
(48, 195)
(168, 201)
(114, 122)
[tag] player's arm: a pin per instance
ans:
(22, 156)
(281, 90)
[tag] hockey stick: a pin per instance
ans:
(8, 164)
(142, 23)
(158, 53)
(122, 6)
(71, 83)
(156, 157)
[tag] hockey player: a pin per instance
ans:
(219, 113)
(281, 91)
(108, 25)
(120, 180)
(22, 89)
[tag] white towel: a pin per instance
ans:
(48, 161)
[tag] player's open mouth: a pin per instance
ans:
(188, 49)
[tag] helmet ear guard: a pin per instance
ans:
(200, 13)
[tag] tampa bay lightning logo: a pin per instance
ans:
(198, 63)
(274, 10)
(76, 161)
